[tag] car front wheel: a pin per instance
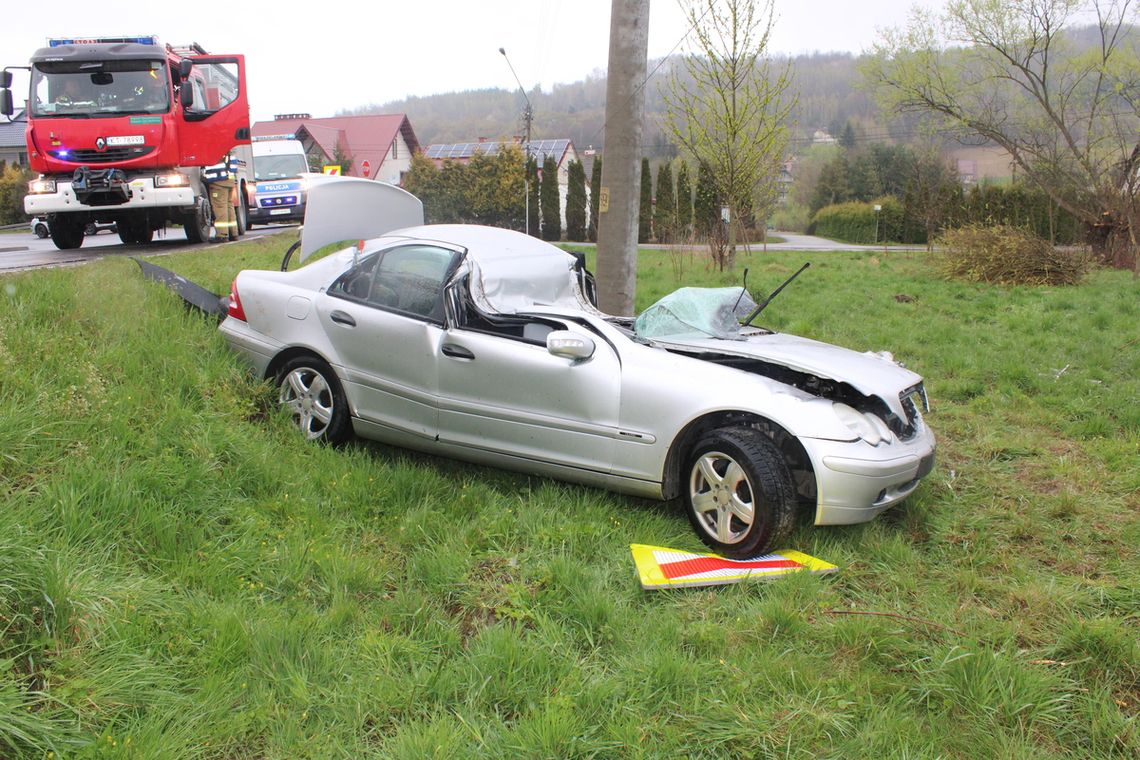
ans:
(309, 390)
(739, 492)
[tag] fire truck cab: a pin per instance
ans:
(119, 130)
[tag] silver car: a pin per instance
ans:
(486, 345)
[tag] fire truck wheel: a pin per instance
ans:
(241, 213)
(66, 235)
(135, 233)
(197, 224)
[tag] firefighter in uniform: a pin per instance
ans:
(220, 178)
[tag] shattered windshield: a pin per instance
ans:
(100, 88)
(714, 312)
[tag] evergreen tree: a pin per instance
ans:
(551, 204)
(595, 194)
(576, 203)
(847, 137)
(833, 185)
(665, 211)
(341, 158)
(645, 212)
(706, 210)
(533, 199)
(684, 200)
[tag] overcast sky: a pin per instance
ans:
(319, 58)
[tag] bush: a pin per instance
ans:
(13, 188)
(1016, 205)
(793, 217)
(1007, 256)
(855, 222)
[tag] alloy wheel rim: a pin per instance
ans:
(722, 497)
(307, 396)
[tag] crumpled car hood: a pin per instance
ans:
(870, 374)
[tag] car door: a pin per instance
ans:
(502, 391)
(384, 319)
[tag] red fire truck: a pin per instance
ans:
(119, 130)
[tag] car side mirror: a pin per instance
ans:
(6, 106)
(569, 345)
(184, 67)
(6, 79)
(186, 96)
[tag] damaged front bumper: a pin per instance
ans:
(856, 481)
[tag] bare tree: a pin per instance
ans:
(1012, 72)
(727, 106)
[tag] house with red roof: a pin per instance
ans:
(378, 146)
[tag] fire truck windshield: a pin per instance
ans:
(99, 88)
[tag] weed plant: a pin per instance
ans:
(181, 576)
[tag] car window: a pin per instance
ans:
(468, 316)
(408, 279)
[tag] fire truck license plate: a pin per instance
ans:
(125, 140)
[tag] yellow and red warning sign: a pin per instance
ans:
(659, 567)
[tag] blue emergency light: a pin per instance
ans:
(149, 39)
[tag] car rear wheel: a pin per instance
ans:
(309, 390)
(41, 231)
(739, 492)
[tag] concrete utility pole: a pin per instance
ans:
(619, 199)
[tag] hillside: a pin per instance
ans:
(826, 85)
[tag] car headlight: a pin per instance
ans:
(174, 179)
(41, 186)
(862, 425)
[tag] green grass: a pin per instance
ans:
(182, 577)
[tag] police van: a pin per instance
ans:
(278, 192)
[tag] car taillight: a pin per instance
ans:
(235, 310)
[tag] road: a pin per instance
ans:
(23, 250)
(797, 242)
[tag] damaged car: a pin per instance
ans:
(486, 345)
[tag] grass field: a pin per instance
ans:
(182, 577)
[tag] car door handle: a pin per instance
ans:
(456, 352)
(342, 318)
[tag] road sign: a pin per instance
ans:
(366, 168)
(333, 169)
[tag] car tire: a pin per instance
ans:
(41, 231)
(90, 229)
(739, 492)
(66, 235)
(309, 390)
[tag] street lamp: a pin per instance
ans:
(528, 116)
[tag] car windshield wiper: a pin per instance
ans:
(776, 292)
